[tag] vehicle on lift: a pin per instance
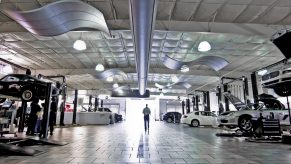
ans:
(244, 118)
(23, 87)
(278, 80)
(222, 116)
(198, 118)
(172, 116)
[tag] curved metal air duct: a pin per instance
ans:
(214, 62)
(142, 16)
(60, 17)
(110, 73)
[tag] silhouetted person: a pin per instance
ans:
(34, 108)
(53, 114)
(146, 112)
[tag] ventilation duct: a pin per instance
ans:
(142, 16)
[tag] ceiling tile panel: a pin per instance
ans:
(184, 10)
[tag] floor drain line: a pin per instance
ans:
(140, 153)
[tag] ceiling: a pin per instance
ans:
(238, 30)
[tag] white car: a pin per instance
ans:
(244, 118)
(198, 118)
(222, 116)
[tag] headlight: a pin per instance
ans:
(185, 116)
(230, 114)
(1, 86)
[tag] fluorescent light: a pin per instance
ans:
(174, 79)
(109, 79)
(115, 85)
(80, 45)
(262, 72)
(185, 68)
(99, 67)
(204, 46)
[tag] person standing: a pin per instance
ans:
(53, 115)
(146, 112)
(34, 108)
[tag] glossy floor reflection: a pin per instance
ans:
(165, 143)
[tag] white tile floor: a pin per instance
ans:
(165, 143)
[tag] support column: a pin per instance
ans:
(101, 103)
(197, 103)
(246, 90)
(22, 116)
(194, 103)
(75, 107)
(188, 105)
(226, 102)
(46, 112)
(183, 107)
(90, 104)
(207, 101)
(219, 100)
(96, 104)
(255, 89)
(63, 106)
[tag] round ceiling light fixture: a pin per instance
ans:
(262, 72)
(115, 85)
(185, 68)
(99, 67)
(80, 45)
(204, 46)
(109, 79)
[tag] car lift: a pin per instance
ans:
(12, 146)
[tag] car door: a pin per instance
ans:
(203, 118)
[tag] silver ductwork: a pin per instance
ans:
(142, 16)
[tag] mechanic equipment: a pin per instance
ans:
(235, 89)
(206, 99)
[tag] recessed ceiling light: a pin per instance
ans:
(185, 68)
(80, 45)
(109, 79)
(115, 85)
(204, 46)
(262, 72)
(99, 67)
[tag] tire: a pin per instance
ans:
(2, 100)
(195, 123)
(27, 95)
(245, 123)
(169, 120)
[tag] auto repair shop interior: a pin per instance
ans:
(145, 81)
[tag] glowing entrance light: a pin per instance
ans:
(99, 67)
(80, 45)
(204, 46)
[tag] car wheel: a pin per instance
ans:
(2, 100)
(169, 120)
(245, 123)
(195, 123)
(27, 95)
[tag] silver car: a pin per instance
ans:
(244, 118)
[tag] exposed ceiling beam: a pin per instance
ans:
(187, 26)
(198, 72)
